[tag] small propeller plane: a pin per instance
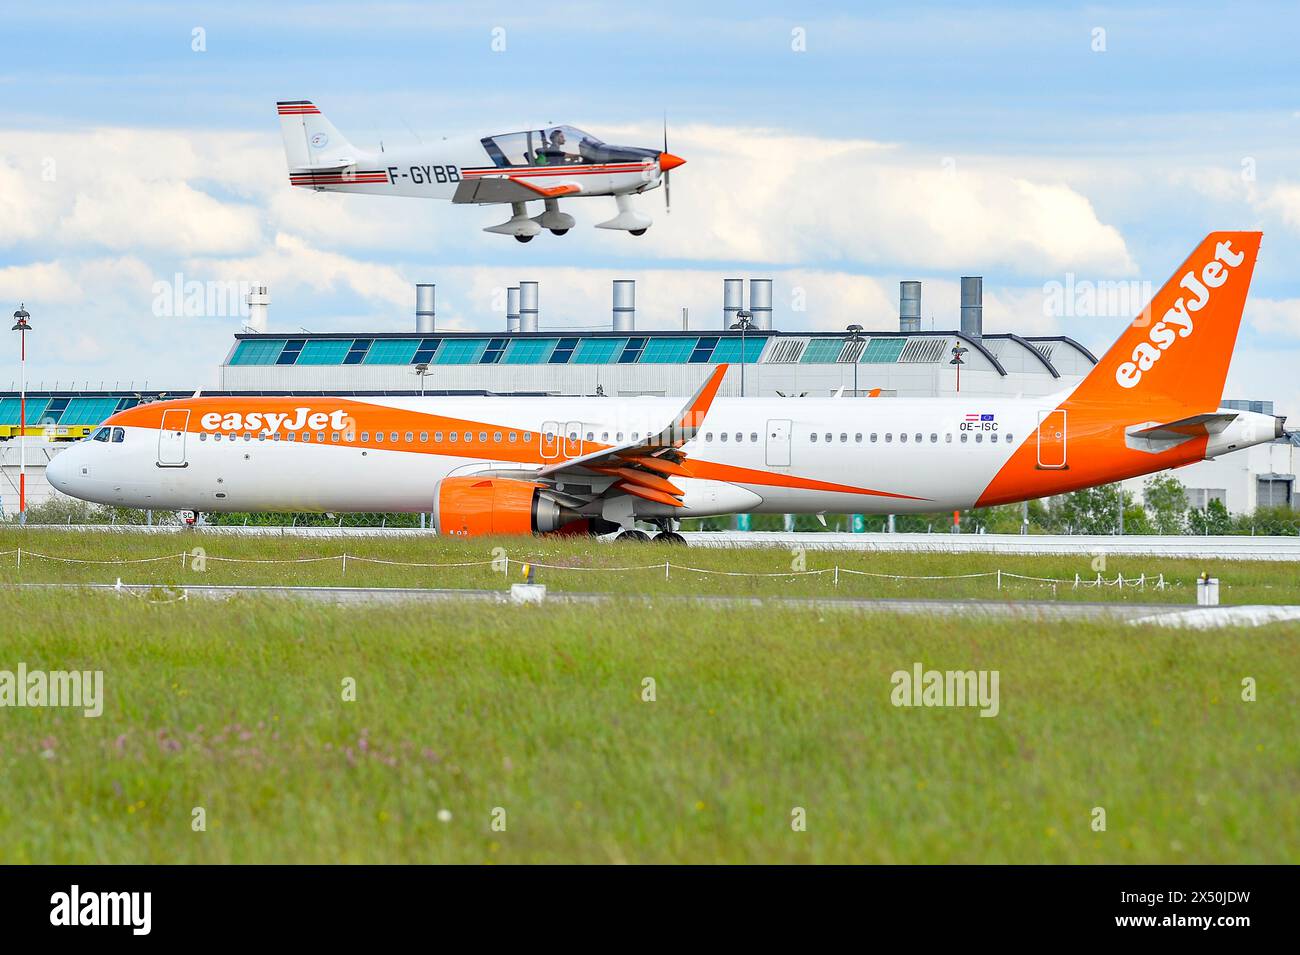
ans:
(546, 164)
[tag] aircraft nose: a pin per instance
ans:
(669, 161)
(61, 471)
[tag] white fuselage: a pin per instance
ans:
(914, 454)
(437, 171)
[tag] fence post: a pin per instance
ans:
(345, 563)
(999, 578)
(20, 558)
(667, 565)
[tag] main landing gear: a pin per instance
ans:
(666, 535)
(519, 225)
(553, 219)
(525, 227)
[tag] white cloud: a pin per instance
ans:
(124, 189)
(766, 196)
(745, 195)
(290, 265)
(1284, 202)
(1274, 317)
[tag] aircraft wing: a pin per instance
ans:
(643, 468)
(504, 188)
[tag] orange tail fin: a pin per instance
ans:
(1175, 355)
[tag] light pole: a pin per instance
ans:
(22, 327)
(422, 369)
(855, 336)
(744, 324)
(957, 352)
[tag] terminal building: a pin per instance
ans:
(530, 356)
(525, 357)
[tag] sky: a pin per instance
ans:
(836, 148)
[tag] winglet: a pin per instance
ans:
(692, 416)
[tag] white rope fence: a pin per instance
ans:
(1140, 582)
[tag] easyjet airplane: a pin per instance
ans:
(535, 465)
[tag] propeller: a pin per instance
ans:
(668, 194)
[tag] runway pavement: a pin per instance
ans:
(1224, 547)
(1042, 610)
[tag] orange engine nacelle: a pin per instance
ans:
(470, 507)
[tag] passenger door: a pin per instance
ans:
(171, 438)
(778, 443)
(1052, 439)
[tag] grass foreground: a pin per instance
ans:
(470, 715)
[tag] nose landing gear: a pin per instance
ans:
(628, 219)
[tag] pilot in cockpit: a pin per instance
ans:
(552, 151)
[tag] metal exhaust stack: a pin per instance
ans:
(512, 310)
(528, 306)
(909, 306)
(424, 316)
(972, 306)
(259, 300)
(733, 300)
(624, 319)
(760, 303)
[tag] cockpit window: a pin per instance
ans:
(119, 434)
(102, 434)
(550, 146)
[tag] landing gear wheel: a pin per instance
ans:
(670, 537)
(558, 231)
(638, 537)
(636, 231)
(523, 238)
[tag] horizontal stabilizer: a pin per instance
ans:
(322, 167)
(1193, 427)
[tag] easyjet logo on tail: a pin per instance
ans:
(1177, 321)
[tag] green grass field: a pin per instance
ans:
(619, 568)
(236, 706)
